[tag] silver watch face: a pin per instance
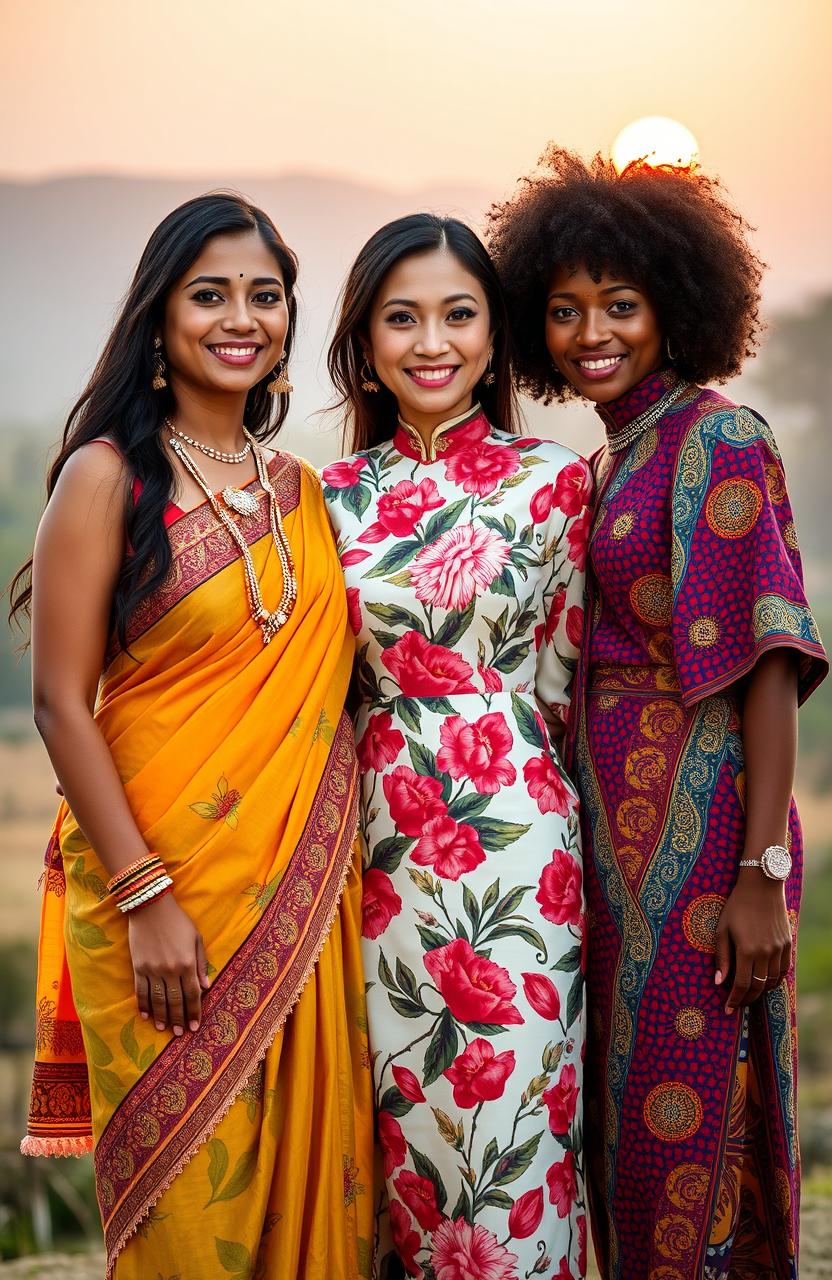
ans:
(776, 862)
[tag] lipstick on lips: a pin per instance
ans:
(239, 354)
(427, 375)
(597, 368)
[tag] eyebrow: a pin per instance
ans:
(408, 302)
(613, 288)
(224, 280)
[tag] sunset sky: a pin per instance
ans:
(403, 94)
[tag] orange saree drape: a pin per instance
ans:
(244, 1148)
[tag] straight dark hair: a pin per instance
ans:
(119, 402)
(371, 418)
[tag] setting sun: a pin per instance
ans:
(657, 141)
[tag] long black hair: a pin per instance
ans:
(371, 418)
(120, 403)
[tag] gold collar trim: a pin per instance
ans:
(437, 444)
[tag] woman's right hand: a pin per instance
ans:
(169, 965)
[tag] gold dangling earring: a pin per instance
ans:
(280, 384)
(672, 356)
(368, 382)
(159, 380)
(489, 378)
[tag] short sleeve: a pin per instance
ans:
(561, 633)
(735, 565)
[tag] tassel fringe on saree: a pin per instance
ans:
(243, 1149)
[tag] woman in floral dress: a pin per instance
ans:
(463, 546)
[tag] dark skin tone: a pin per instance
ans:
(604, 337)
(231, 300)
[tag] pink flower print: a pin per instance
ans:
(461, 1251)
(581, 1224)
(343, 475)
(419, 1194)
(380, 743)
(562, 1101)
(407, 1241)
(413, 799)
(408, 1084)
(425, 670)
(354, 556)
(379, 903)
(392, 1142)
(477, 751)
(459, 565)
(354, 609)
(525, 1214)
(547, 787)
(564, 1271)
(474, 988)
(553, 617)
(468, 436)
(401, 509)
(492, 680)
(573, 488)
(542, 995)
(451, 848)
(481, 469)
(577, 537)
(541, 503)
(563, 1185)
(559, 891)
(575, 625)
(478, 1074)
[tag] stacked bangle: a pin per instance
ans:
(141, 883)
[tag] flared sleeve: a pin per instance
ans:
(561, 634)
(735, 564)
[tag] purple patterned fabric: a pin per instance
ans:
(692, 1156)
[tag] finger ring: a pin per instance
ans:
(159, 988)
(756, 979)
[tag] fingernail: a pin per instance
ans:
(729, 1008)
(145, 1017)
(160, 1026)
(718, 977)
(177, 1031)
(194, 1026)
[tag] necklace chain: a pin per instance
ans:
(618, 440)
(217, 454)
(269, 622)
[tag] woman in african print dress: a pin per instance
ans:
(463, 547)
(629, 291)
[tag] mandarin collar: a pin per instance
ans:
(645, 395)
(409, 442)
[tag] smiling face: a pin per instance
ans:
(603, 335)
(430, 337)
(226, 319)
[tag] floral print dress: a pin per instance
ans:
(464, 565)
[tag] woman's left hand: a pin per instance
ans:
(753, 939)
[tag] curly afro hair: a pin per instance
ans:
(672, 233)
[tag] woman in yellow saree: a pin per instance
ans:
(226, 1096)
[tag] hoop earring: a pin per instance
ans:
(280, 384)
(672, 356)
(159, 381)
(368, 382)
(488, 377)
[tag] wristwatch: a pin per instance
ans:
(775, 862)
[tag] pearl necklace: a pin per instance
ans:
(269, 622)
(618, 440)
(217, 454)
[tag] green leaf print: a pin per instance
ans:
(410, 712)
(396, 616)
(575, 999)
(385, 973)
(444, 520)
(527, 723)
(234, 1258)
(129, 1043)
(394, 1102)
(569, 961)
(472, 907)
(109, 1085)
(423, 759)
(515, 1163)
(441, 1049)
(454, 627)
(497, 1199)
(513, 657)
(490, 896)
(217, 1164)
(465, 807)
(406, 979)
(396, 558)
(388, 853)
(88, 935)
(385, 639)
(146, 1057)
(503, 584)
(425, 1168)
(495, 834)
(431, 939)
(98, 1051)
(510, 902)
(241, 1176)
(511, 929)
(356, 499)
(440, 706)
(365, 1258)
(490, 1154)
(462, 1208)
(407, 1008)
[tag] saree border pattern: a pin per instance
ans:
(179, 1101)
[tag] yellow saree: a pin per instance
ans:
(243, 1149)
